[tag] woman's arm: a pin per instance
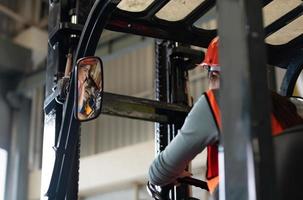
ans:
(198, 130)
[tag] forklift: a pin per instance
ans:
(75, 87)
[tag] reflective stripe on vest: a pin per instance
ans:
(212, 171)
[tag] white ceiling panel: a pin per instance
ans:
(134, 5)
(176, 10)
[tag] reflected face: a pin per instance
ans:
(83, 73)
(89, 90)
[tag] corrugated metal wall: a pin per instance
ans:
(129, 72)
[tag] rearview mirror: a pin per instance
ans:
(89, 88)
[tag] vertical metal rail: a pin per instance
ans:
(61, 181)
(246, 135)
(54, 71)
(171, 88)
(161, 129)
(178, 94)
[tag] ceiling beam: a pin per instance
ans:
(13, 15)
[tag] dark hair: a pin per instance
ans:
(285, 111)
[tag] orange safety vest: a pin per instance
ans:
(212, 172)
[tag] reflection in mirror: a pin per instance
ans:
(89, 89)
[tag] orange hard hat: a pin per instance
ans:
(88, 61)
(211, 59)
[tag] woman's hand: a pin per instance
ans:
(185, 174)
(182, 175)
(81, 96)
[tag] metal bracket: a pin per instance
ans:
(64, 28)
(187, 57)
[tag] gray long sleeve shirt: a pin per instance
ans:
(198, 130)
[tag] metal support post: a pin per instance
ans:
(171, 80)
(178, 94)
(54, 71)
(17, 170)
(61, 152)
(246, 135)
(161, 129)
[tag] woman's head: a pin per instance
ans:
(83, 73)
(211, 64)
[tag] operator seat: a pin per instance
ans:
(289, 163)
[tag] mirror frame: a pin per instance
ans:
(76, 89)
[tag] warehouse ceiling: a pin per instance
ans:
(18, 15)
(23, 31)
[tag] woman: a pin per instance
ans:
(202, 126)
